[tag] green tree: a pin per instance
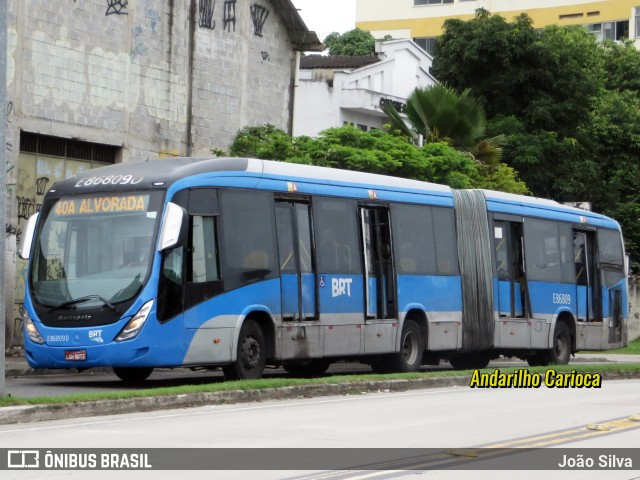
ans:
(548, 77)
(353, 42)
(376, 152)
(611, 139)
(489, 56)
(439, 114)
(569, 108)
(621, 66)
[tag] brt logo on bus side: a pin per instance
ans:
(341, 286)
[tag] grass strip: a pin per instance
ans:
(633, 348)
(265, 383)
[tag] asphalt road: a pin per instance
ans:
(91, 381)
(452, 418)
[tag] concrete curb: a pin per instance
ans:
(35, 413)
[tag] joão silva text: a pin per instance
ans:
(522, 378)
(604, 461)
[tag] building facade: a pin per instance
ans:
(422, 20)
(334, 91)
(94, 82)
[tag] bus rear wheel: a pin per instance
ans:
(409, 358)
(561, 347)
(315, 367)
(132, 375)
(250, 357)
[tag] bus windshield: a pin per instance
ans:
(94, 249)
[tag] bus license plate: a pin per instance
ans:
(75, 355)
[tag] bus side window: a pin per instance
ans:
(542, 254)
(336, 233)
(248, 250)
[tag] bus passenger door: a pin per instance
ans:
(297, 269)
(586, 277)
(380, 288)
(510, 269)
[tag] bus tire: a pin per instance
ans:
(409, 358)
(250, 358)
(132, 375)
(315, 367)
(470, 361)
(539, 359)
(561, 346)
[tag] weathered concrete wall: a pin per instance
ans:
(634, 307)
(121, 72)
(154, 77)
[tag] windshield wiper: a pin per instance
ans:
(85, 299)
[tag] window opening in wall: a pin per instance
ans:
(570, 15)
(431, 2)
(67, 148)
(613, 31)
(426, 43)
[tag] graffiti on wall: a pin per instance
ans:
(259, 16)
(152, 17)
(13, 230)
(10, 182)
(27, 207)
(265, 56)
(229, 15)
(206, 14)
(136, 51)
(117, 7)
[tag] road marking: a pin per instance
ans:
(458, 456)
(565, 436)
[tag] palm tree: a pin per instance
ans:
(439, 114)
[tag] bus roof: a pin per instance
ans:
(497, 200)
(164, 172)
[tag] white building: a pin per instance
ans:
(336, 90)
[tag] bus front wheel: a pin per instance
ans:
(132, 375)
(250, 358)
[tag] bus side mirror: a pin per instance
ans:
(174, 227)
(27, 239)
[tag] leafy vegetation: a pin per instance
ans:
(353, 42)
(439, 114)
(379, 152)
(569, 108)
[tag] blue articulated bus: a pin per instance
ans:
(242, 263)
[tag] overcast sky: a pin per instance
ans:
(326, 16)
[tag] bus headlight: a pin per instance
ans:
(134, 326)
(32, 331)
